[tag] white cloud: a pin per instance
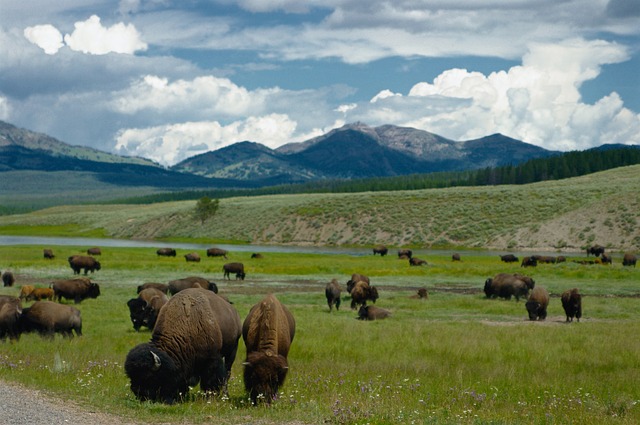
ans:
(91, 37)
(47, 37)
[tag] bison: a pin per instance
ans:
(25, 291)
(94, 251)
(195, 339)
(178, 285)
(237, 268)
(8, 279)
(47, 318)
(39, 294)
(380, 249)
(48, 254)
(572, 304)
(257, 256)
(596, 250)
(505, 285)
(415, 261)
(361, 293)
(166, 252)
(422, 294)
(537, 303)
(371, 312)
(629, 259)
(405, 253)
(529, 262)
(455, 257)
(75, 289)
(509, 258)
(144, 310)
(162, 287)
(606, 259)
(356, 277)
(192, 257)
(10, 313)
(268, 332)
(217, 252)
(80, 262)
(332, 292)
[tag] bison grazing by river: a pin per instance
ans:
(94, 251)
(380, 249)
(75, 289)
(405, 253)
(572, 304)
(537, 303)
(195, 340)
(596, 250)
(48, 254)
(47, 318)
(166, 252)
(217, 252)
(80, 262)
(192, 257)
(509, 258)
(267, 332)
(237, 268)
(629, 259)
(505, 285)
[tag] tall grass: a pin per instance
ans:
(454, 358)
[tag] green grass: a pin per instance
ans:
(454, 358)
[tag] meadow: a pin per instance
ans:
(454, 358)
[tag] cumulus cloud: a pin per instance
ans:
(91, 37)
(47, 37)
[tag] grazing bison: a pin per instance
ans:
(529, 262)
(356, 277)
(422, 294)
(537, 303)
(545, 259)
(596, 250)
(144, 310)
(178, 285)
(629, 259)
(561, 259)
(405, 253)
(371, 312)
(257, 255)
(380, 249)
(332, 292)
(505, 285)
(10, 313)
(94, 251)
(415, 261)
(606, 259)
(361, 293)
(47, 318)
(25, 291)
(509, 258)
(268, 332)
(572, 304)
(455, 257)
(217, 252)
(195, 339)
(162, 287)
(48, 254)
(79, 262)
(75, 289)
(166, 252)
(8, 279)
(192, 257)
(237, 268)
(39, 294)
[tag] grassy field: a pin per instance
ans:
(454, 358)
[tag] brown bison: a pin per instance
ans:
(217, 252)
(509, 258)
(361, 293)
(629, 259)
(48, 318)
(8, 279)
(371, 312)
(572, 304)
(75, 289)
(415, 261)
(380, 249)
(529, 262)
(10, 313)
(537, 303)
(595, 250)
(144, 310)
(94, 251)
(80, 262)
(505, 285)
(332, 292)
(192, 257)
(195, 339)
(268, 332)
(178, 285)
(455, 257)
(606, 258)
(237, 268)
(162, 287)
(257, 255)
(48, 254)
(545, 259)
(422, 294)
(39, 294)
(166, 252)
(356, 277)
(25, 291)
(405, 253)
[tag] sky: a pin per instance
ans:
(167, 79)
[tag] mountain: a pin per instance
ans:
(359, 151)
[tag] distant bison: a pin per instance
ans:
(629, 259)
(455, 257)
(529, 262)
(48, 318)
(596, 250)
(39, 294)
(268, 332)
(8, 279)
(10, 313)
(48, 254)
(217, 252)
(144, 310)
(162, 287)
(572, 304)
(75, 289)
(178, 285)
(166, 252)
(80, 262)
(94, 251)
(332, 293)
(380, 249)
(537, 303)
(405, 253)
(606, 259)
(422, 294)
(192, 257)
(195, 339)
(257, 255)
(356, 277)
(545, 259)
(361, 293)
(509, 258)
(505, 285)
(237, 268)
(415, 261)
(371, 312)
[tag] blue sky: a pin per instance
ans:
(169, 79)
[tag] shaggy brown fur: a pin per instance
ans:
(48, 254)
(237, 268)
(356, 277)
(217, 252)
(332, 292)
(371, 312)
(162, 287)
(178, 285)
(505, 285)
(166, 252)
(10, 311)
(361, 293)
(629, 259)
(79, 262)
(192, 257)
(48, 318)
(537, 303)
(572, 304)
(75, 289)
(380, 249)
(8, 279)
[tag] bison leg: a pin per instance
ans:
(213, 376)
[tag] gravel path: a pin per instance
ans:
(23, 406)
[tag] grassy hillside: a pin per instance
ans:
(567, 214)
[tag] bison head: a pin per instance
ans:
(264, 373)
(137, 312)
(94, 289)
(153, 374)
(487, 287)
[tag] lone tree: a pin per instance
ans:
(206, 208)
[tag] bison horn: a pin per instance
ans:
(156, 361)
